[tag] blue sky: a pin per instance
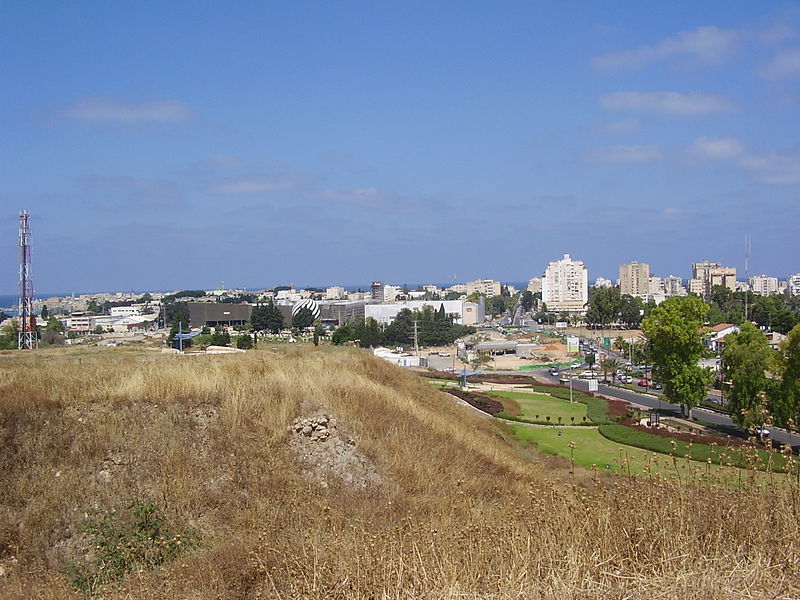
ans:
(164, 145)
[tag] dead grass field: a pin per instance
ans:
(455, 509)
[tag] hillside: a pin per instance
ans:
(327, 473)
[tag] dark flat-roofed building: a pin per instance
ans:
(213, 314)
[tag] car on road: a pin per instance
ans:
(553, 370)
(564, 379)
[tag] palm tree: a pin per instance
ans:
(610, 365)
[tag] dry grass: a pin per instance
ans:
(460, 512)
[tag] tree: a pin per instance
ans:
(631, 308)
(496, 305)
(745, 362)
(319, 331)
(526, 301)
(604, 306)
(45, 312)
(673, 334)
(480, 359)
(610, 365)
(787, 408)
(8, 338)
(244, 342)
(302, 318)
(220, 337)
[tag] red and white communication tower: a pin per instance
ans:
(28, 337)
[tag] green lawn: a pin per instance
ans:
(537, 407)
(591, 448)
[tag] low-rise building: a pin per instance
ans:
(464, 313)
(487, 287)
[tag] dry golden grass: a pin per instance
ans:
(459, 512)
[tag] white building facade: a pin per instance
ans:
(565, 285)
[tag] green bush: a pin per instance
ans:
(137, 538)
(738, 456)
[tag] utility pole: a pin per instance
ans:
(416, 339)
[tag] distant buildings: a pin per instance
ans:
(565, 285)
(336, 292)
(673, 286)
(488, 287)
(793, 283)
(705, 275)
(764, 285)
(465, 313)
(634, 279)
(376, 290)
(535, 285)
(602, 282)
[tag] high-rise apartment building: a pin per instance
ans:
(376, 291)
(565, 285)
(793, 283)
(634, 279)
(489, 287)
(673, 286)
(710, 274)
(764, 285)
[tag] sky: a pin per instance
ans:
(175, 145)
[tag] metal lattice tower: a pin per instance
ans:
(28, 338)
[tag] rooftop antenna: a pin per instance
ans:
(26, 338)
(746, 272)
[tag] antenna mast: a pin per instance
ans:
(27, 337)
(746, 273)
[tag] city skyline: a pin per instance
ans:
(180, 145)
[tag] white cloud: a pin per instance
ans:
(667, 102)
(709, 45)
(774, 167)
(252, 185)
(100, 110)
(717, 148)
(784, 65)
(625, 154)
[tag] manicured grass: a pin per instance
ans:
(596, 408)
(537, 407)
(736, 456)
(592, 450)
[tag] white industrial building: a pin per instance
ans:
(464, 313)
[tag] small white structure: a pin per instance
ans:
(402, 359)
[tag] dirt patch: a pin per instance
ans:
(328, 453)
(482, 402)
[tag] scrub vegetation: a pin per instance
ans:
(211, 451)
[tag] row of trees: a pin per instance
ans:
(607, 305)
(761, 384)
(780, 312)
(434, 328)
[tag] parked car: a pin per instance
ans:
(563, 379)
(644, 383)
(656, 386)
